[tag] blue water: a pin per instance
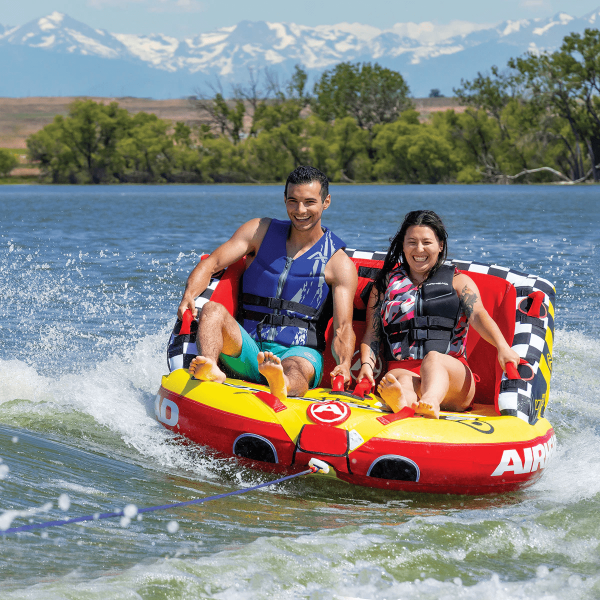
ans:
(90, 278)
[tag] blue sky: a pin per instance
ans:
(187, 17)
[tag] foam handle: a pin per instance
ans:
(363, 387)
(337, 385)
(536, 304)
(511, 370)
(186, 322)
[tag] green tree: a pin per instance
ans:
(8, 161)
(413, 152)
(371, 94)
(568, 82)
(55, 158)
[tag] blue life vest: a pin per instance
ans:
(286, 300)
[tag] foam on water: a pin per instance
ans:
(110, 402)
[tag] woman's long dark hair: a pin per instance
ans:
(425, 218)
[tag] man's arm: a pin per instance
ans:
(371, 340)
(341, 276)
(245, 241)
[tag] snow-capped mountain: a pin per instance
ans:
(59, 55)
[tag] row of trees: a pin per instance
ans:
(8, 161)
(538, 119)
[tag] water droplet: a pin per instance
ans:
(64, 502)
(172, 526)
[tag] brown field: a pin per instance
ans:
(20, 117)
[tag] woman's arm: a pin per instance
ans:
(481, 321)
(371, 340)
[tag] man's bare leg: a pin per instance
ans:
(397, 388)
(290, 377)
(218, 332)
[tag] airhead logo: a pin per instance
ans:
(331, 412)
(531, 459)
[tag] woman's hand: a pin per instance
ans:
(508, 355)
(366, 372)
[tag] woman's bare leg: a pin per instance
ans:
(446, 383)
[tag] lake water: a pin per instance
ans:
(90, 279)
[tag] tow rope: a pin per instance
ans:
(315, 467)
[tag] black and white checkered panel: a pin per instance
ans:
(516, 397)
(182, 349)
(365, 254)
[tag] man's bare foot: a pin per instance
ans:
(270, 368)
(206, 369)
(389, 389)
(427, 410)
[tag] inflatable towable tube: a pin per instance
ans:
(502, 444)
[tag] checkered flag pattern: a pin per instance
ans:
(182, 349)
(517, 397)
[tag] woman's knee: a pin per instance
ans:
(433, 357)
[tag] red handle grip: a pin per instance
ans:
(511, 370)
(186, 322)
(536, 304)
(337, 385)
(363, 387)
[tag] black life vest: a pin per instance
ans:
(424, 319)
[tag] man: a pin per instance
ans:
(291, 266)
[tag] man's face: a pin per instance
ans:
(304, 205)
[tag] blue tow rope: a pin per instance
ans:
(121, 513)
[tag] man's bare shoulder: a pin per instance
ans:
(252, 232)
(341, 269)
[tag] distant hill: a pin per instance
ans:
(59, 56)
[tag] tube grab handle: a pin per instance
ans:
(511, 370)
(363, 387)
(337, 385)
(186, 322)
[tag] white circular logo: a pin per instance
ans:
(331, 412)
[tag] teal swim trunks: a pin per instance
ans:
(246, 365)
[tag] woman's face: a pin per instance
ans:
(421, 248)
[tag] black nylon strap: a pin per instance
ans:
(419, 323)
(269, 319)
(279, 304)
(513, 384)
(368, 272)
(419, 335)
(524, 291)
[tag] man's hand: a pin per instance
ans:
(342, 370)
(185, 304)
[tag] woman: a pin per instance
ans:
(421, 309)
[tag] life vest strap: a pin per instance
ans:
(422, 323)
(279, 304)
(272, 320)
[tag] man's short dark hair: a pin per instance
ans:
(305, 174)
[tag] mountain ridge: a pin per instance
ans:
(57, 52)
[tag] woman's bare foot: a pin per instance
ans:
(428, 410)
(389, 389)
(270, 368)
(206, 369)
